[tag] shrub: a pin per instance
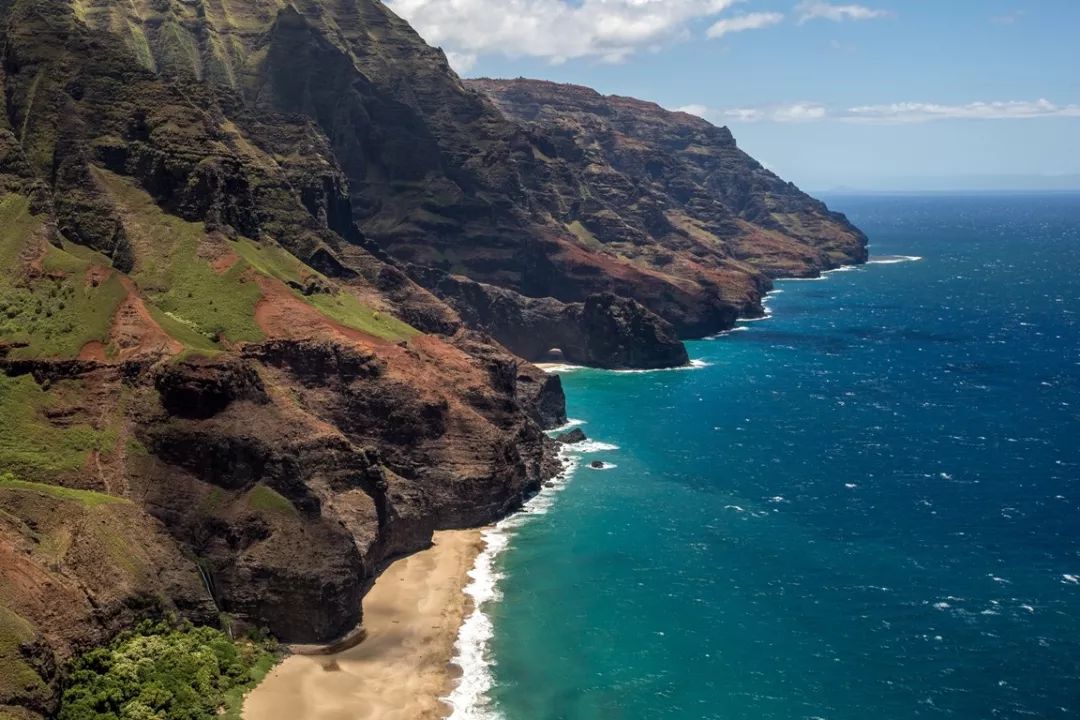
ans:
(164, 672)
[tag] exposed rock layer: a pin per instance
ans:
(673, 195)
(605, 331)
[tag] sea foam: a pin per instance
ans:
(694, 365)
(725, 333)
(469, 699)
(560, 368)
(555, 369)
(568, 425)
(893, 259)
(592, 446)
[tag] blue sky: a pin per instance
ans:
(877, 94)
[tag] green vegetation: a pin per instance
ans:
(584, 235)
(217, 306)
(184, 333)
(58, 260)
(204, 305)
(161, 672)
(272, 261)
(177, 48)
(267, 499)
(140, 46)
(178, 281)
(234, 698)
(17, 678)
(37, 134)
(58, 314)
(88, 498)
(348, 310)
(33, 447)
(345, 308)
(16, 226)
(73, 302)
(91, 256)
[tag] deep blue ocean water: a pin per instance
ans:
(866, 507)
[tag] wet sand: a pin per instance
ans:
(402, 667)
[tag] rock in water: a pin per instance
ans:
(577, 435)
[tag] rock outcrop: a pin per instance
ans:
(573, 437)
(605, 331)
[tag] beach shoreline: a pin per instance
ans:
(402, 668)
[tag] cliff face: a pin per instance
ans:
(272, 278)
(605, 331)
(674, 194)
(217, 397)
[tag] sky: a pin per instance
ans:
(871, 95)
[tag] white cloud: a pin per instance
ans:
(700, 111)
(799, 112)
(556, 30)
(795, 112)
(741, 114)
(461, 62)
(837, 13)
(753, 21)
(886, 114)
(916, 112)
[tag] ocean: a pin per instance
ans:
(866, 506)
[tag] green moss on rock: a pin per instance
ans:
(18, 679)
(34, 448)
(266, 499)
(87, 498)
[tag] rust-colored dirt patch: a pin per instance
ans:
(280, 314)
(224, 262)
(97, 274)
(135, 332)
(93, 350)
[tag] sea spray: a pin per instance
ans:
(766, 313)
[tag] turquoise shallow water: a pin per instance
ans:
(867, 506)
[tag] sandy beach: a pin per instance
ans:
(402, 667)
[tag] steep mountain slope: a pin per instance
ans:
(214, 399)
(673, 193)
(248, 246)
(642, 159)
